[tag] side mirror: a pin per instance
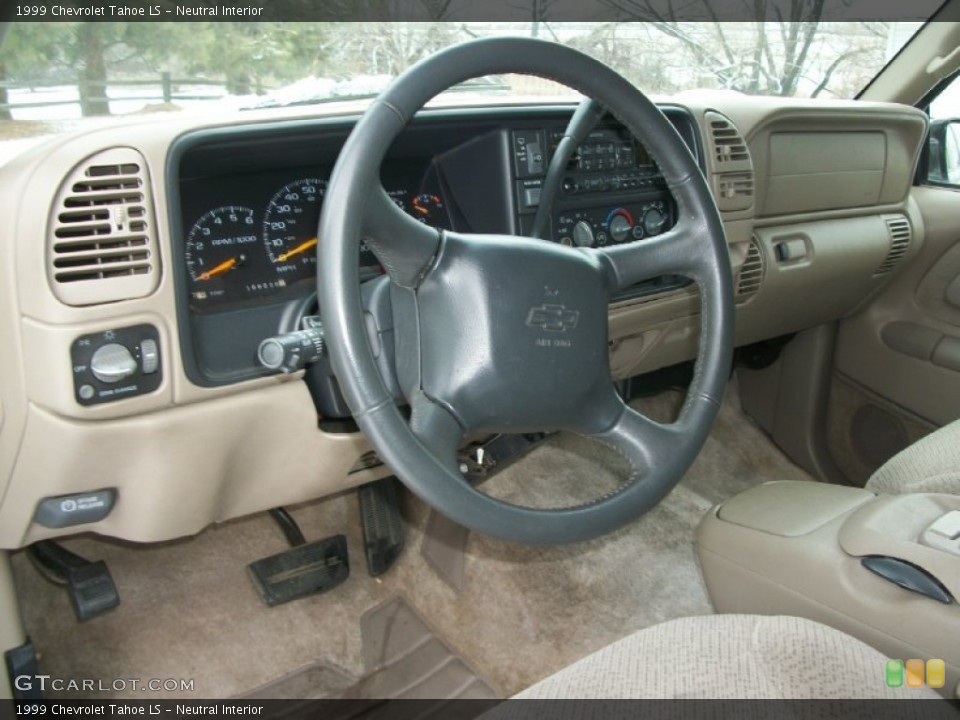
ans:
(943, 146)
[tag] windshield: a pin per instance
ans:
(55, 75)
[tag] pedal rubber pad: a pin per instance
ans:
(304, 570)
(91, 590)
(383, 531)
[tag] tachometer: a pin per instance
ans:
(290, 228)
(219, 246)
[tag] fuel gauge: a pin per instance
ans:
(428, 208)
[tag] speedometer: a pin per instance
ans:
(290, 228)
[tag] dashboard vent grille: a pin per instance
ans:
(751, 274)
(728, 145)
(735, 185)
(732, 167)
(900, 237)
(101, 239)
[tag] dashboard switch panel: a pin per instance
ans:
(116, 364)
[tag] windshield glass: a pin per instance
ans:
(55, 75)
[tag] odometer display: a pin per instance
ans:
(290, 228)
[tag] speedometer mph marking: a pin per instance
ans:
(290, 228)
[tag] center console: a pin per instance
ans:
(885, 569)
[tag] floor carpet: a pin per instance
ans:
(189, 611)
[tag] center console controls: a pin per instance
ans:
(612, 191)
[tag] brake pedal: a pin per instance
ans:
(383, 531)
(89, 584)
(305, 570)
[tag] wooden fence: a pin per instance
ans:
(165, 90)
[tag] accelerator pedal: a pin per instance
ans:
(383, 531)
(308, 569)
(88, 584)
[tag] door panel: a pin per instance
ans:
(897, 362)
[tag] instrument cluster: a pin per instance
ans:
(255, 236)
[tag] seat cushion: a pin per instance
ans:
(729, 656)
(930, 465)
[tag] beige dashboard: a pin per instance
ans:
(815, 198)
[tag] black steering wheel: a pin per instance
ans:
(497, 333)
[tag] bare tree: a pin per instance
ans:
(765, 56)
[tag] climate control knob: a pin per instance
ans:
(112, 363)
(620, 223)
(654, 221)
(583, 234)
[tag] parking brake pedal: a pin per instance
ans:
(89, 584)
(383, 532)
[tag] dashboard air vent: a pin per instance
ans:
(728, 145)
(900, 236)
(731, 165)
(735, 185)
(101, 241)
(751, 274)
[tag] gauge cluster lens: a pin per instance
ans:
(262, 242)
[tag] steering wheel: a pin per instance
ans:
(497, 333)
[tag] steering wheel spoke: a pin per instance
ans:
(678, 251)
(437, 429)
(404, 246)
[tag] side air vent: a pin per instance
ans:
(900, 237)
(751, 274)
(101, 239)
(728, 146)
(731, 165)
(735, 185)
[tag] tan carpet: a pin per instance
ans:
(188, 609)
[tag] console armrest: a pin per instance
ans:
(796, 548)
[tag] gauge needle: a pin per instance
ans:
(221, 268)
(302, 247)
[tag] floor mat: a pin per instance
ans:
(188, 609)
(404, 659)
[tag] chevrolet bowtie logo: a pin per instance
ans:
(553, 318)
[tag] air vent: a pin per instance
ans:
(101, 240)
(900, 236)
(735, 185)
(728, 145)
(732, 168)
(751, 274)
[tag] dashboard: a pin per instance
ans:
(149, 258)
(246, 245)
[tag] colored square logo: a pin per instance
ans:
(894, 673)
(936, 673)
(914, 673)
